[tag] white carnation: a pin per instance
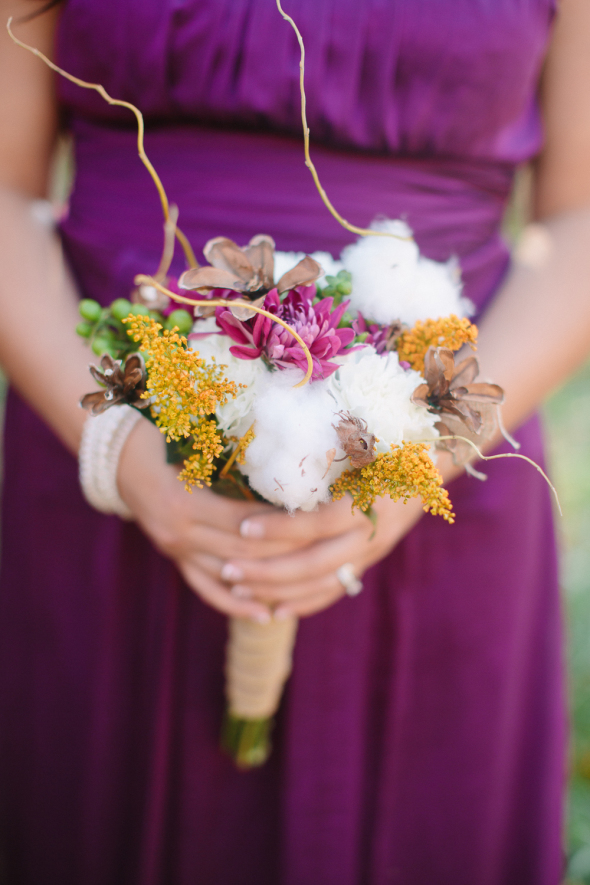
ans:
(235, 417)
(392, 281)
(287, 462)
(377, 390)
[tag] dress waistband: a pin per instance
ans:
(237, 184)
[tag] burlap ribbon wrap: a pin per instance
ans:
(258, 663)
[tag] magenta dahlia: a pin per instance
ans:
(317, 324)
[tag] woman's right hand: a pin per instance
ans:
(198, 531)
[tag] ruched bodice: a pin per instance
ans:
(412, 77)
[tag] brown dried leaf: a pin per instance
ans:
(444, 392)
(244, 313)
(355, 440)
(209, 278)
(226, 255)
(95, 402)
(465, 372)
(483, 392)
(261, 254)
(461, 451)
(305, 272)
(420, 396)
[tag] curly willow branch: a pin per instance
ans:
(186, 246)
(222, 302)
(361, 231)
(507, 455)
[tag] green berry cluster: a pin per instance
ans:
(337, 287)
(105, 331)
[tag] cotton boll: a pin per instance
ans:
(235, 417)
(437, 293)
(392, 281)
(383, 272)
(284, 261)
(287, 462)
(376, 389)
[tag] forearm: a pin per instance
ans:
(536, 332)
(39, 349)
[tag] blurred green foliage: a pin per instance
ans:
(567, 422)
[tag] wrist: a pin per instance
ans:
(103, 438)
(142, 467)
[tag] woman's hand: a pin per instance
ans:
(199, 532)
(304, 581)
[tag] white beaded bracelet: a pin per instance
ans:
(103, 438)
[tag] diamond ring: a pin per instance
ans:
(352, 585)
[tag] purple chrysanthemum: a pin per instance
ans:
(381, 338)
(317, 324)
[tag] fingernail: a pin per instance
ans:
(241, 592)
(282, 614)
(261, 617)
(231, 572)
(251, 529)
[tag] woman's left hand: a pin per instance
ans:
(305, 581)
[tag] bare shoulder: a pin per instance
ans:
(27, 99)
(564, 167)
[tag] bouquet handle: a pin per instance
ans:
(258, 663)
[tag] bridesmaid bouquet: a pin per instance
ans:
(297, 393)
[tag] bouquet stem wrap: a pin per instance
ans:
(258, 663)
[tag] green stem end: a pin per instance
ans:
(247, 741)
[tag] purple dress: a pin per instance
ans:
(421, 737)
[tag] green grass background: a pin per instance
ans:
(567, 421)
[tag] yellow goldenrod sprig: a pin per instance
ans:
(243, 445)
(406, 471)
(141, 279)
(451, 332)
(184, 387)
(198, 468)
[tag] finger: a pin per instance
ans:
(209, 539)
(318, 559)
(210, 564)
(220, 598)
(217, 568)
(327, 521)
(222, 512)
(308, 605)
(275, 594)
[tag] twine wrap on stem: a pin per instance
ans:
(257, 666)
(258, 663)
